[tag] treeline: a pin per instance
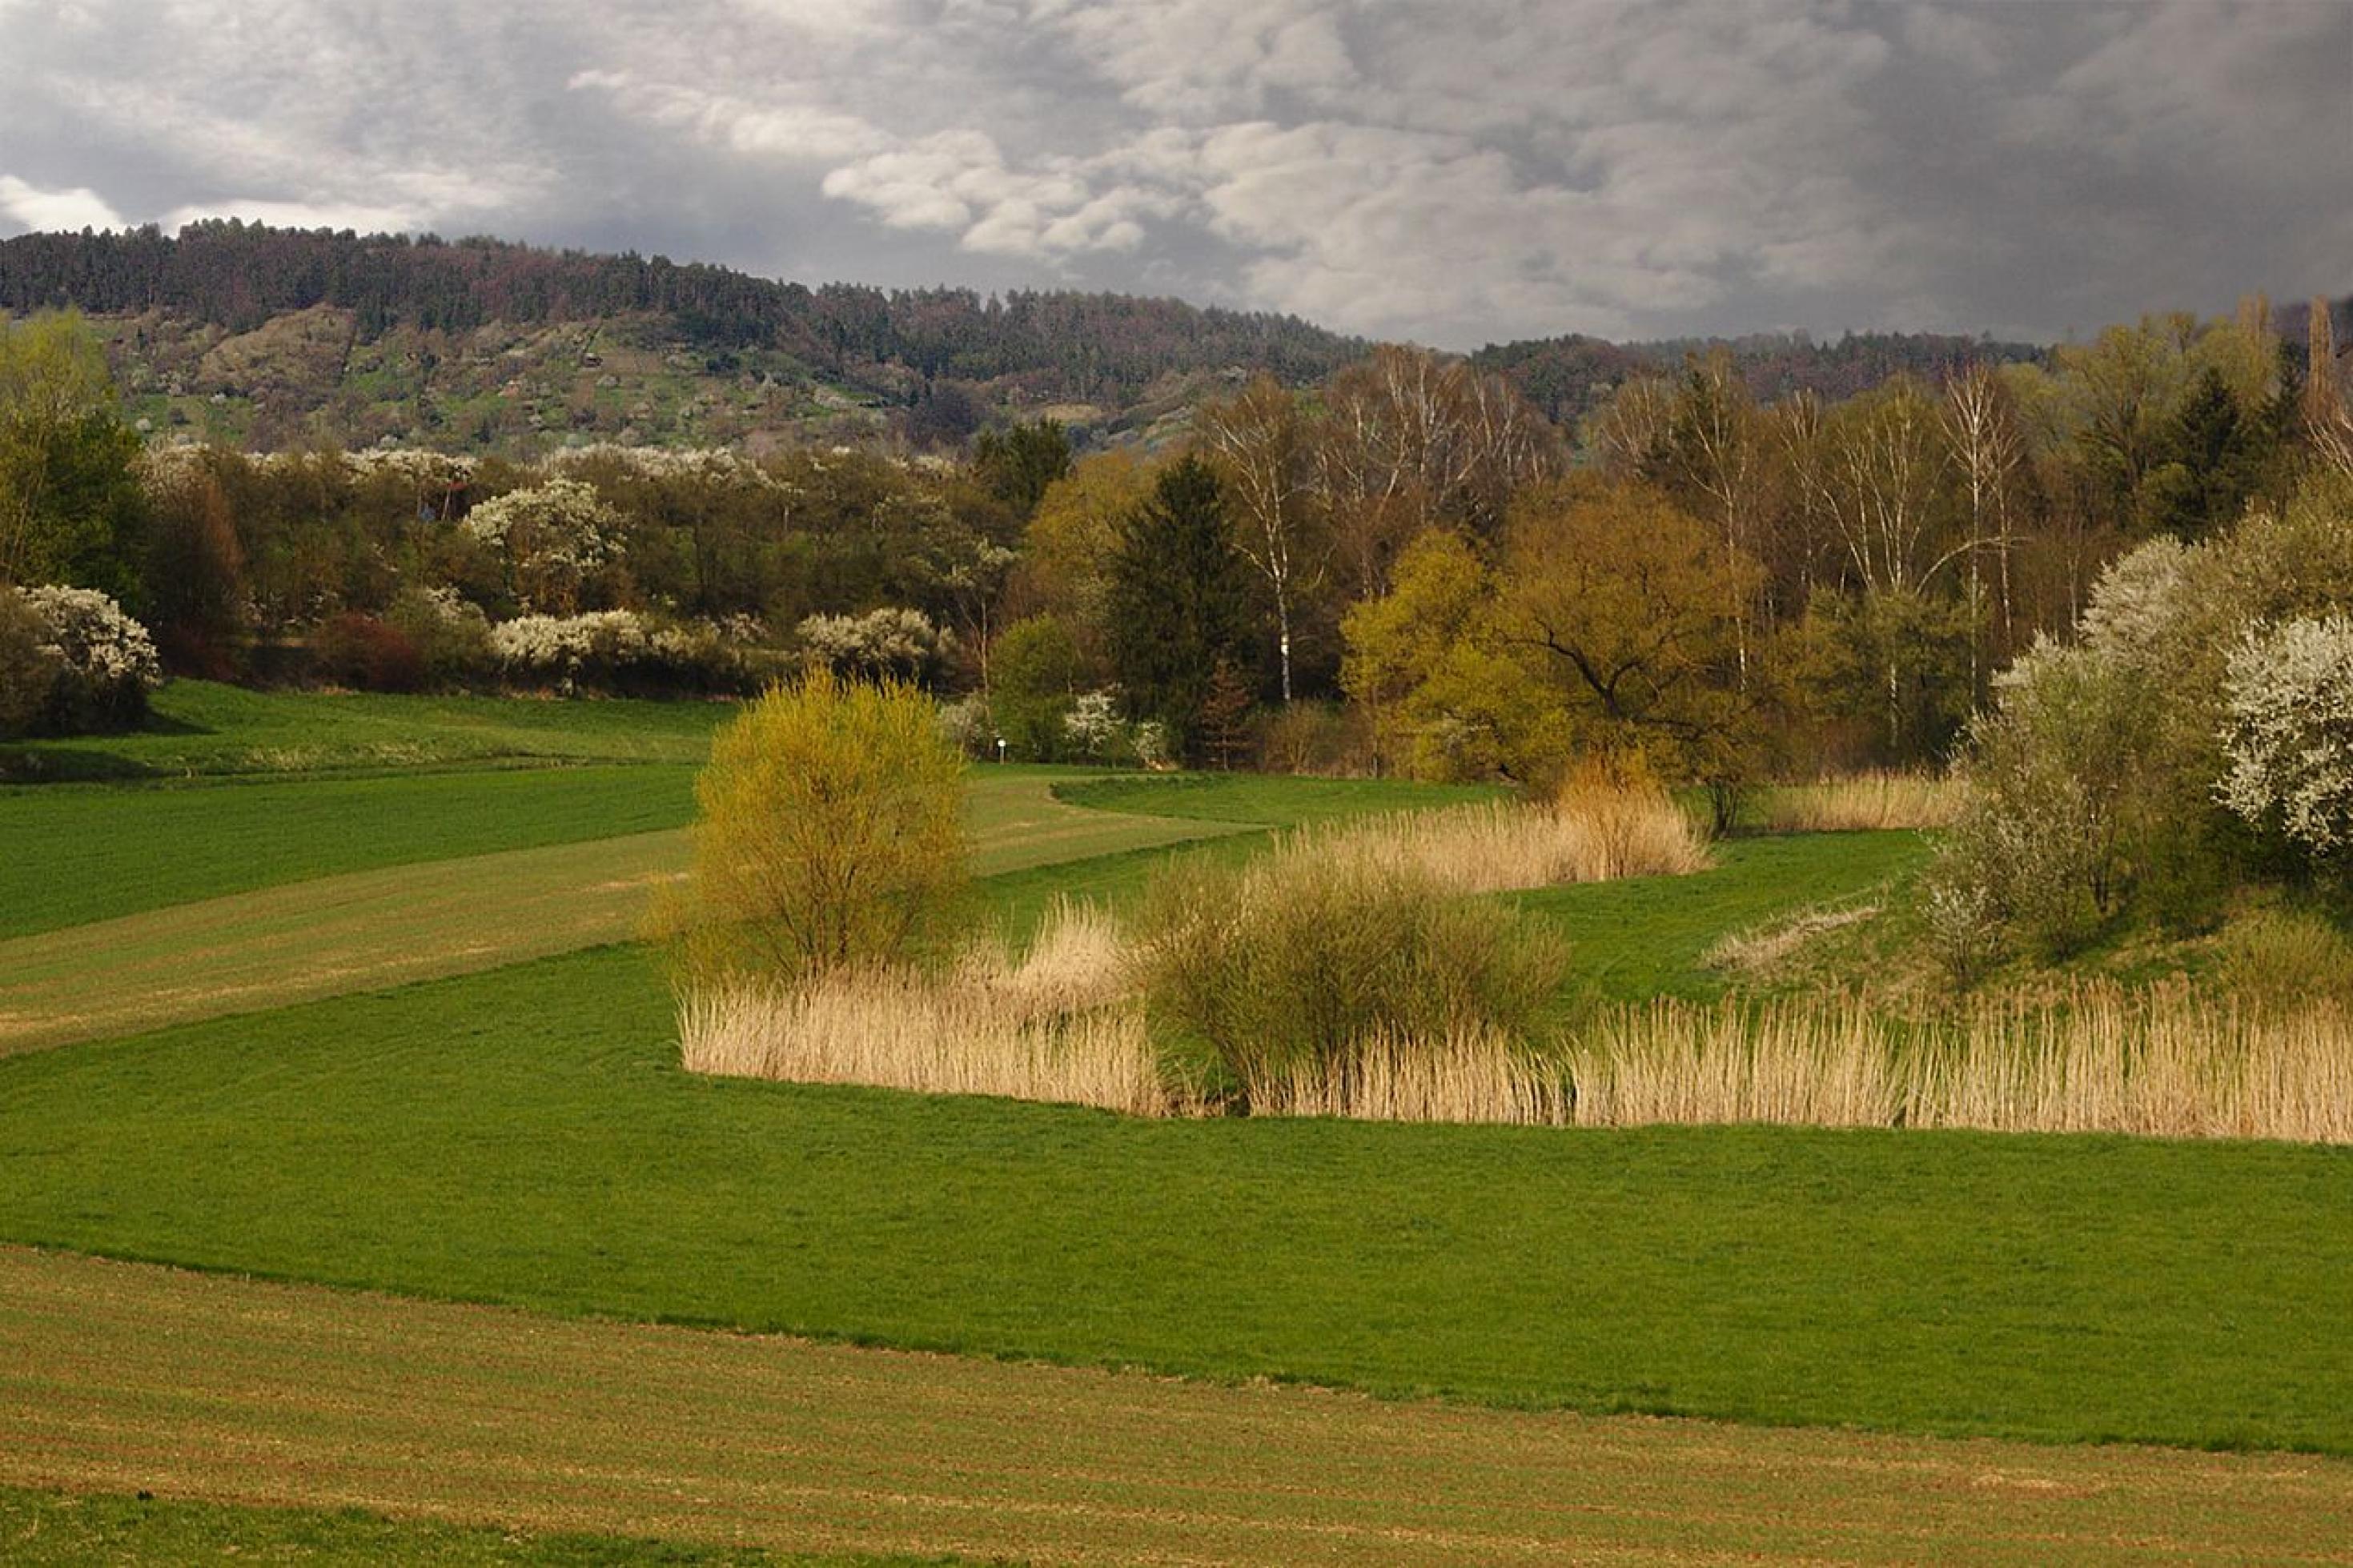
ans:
(1570, 378)
(237, 276)
(1406, 566)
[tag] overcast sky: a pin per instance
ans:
(1452, 172)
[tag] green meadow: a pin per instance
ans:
(338, 1014)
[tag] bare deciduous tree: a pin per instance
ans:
(1409, 438)
(1258, 439)
(1980, 421)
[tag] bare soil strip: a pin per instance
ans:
(119, 1376)
(366, 931)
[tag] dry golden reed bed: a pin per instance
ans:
(1059, 1023)
(1591, 835)
(1864, 802)
(2163, 1062)
(1054, 1027)
(1062, 1024)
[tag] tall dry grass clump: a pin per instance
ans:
(1864, 802)
(1053, 1026)
(1588, 833)
(2162, 1063)
(1468, 1076)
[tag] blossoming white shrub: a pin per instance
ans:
(617, 650)
(565, 651)
(1149, 741)
(705, 464)
(106, 663)
(1091, 724)
(2288, 731)
(969, 726)
(898, 643)
(552, 536)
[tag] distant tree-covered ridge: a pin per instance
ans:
(264, 337)
(236, 277)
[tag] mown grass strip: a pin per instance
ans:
(1263, 800)
(370, 930)
(120, 1376)
(527, 1136)
(78, 853)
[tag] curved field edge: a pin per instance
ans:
(77, 854)
(88, 853)
(205, 1387)
(371, 930)
(526, 1136)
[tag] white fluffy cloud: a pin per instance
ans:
(32, 207)
(1481, 170)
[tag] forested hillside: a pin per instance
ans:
(265, 337)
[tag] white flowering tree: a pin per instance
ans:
(895, 644)
(2288, 733)
(552, 536)
(103, 662)
(563, 652)
(1093, 723)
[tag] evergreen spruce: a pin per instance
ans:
(1179, 600)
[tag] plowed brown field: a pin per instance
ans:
(119, 1376)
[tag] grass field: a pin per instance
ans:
(303, 939)
(202, 730)
(526, 1136)
(1647, 938)
(441, 1079)
(294, 1395)
(85, 853)
(1261, 800)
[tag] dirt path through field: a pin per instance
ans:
(366, 931)
(119, 1376)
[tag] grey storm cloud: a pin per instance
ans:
(1450, 173)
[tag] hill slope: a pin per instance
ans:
(266, 338)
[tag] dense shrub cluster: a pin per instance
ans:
(71, 662)
(1296, 962)
(2193, 734)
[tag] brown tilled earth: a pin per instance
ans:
(120, 1376)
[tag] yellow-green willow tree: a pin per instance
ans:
(830, 836)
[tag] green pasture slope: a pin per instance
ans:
(525, 1135)
(88, 852)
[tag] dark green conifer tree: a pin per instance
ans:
(1179, 600)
